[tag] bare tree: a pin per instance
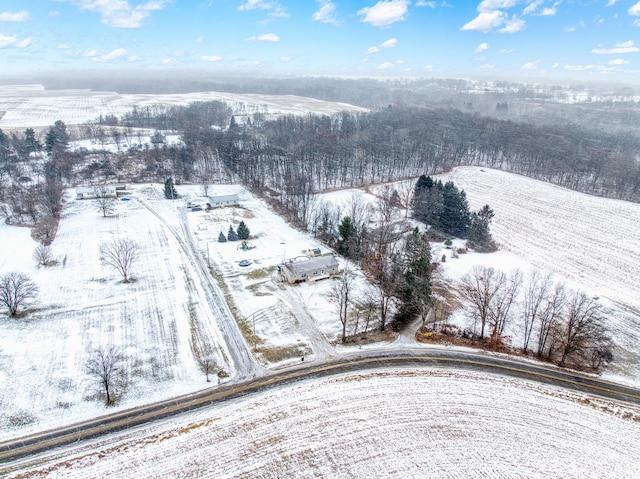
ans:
(550, 316)
(582, 329)
(209, 366)
(105, 200)
(15, 289)
(405, 196)
(535, 296)
(500, 311)
(479, 289)
(121, 254)
(107, 366)
(45, 230)
(43, 255)
(342, 294)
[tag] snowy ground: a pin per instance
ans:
(23, 106)
(83, 304)
(390, 423)
(590, 243)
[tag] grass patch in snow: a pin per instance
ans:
(261, 273)
(281, 353)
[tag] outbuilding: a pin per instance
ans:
(223, 200)
(312, 269)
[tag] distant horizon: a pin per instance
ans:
(195, 75)
(509, 40)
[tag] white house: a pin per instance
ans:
(223, 200)
(91, 192)
(311, 269)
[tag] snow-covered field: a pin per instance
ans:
(405, 423)
(589, 243)
(158, 321)
(23, 106)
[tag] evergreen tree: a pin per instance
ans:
(170, 190)
(479, 236)
(428, 201)
(455, 218)
(222, 238)
(32, 145)
(57, 138)
(243, 231)
(414, 292)
(347, 232)
(232, 235)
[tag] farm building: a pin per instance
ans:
(223, 200)
(91, 192)
(309, 270)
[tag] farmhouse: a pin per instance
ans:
(309, 270)
(91, 192)
(223, 200)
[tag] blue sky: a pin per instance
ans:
(598, 39)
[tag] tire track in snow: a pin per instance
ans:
(244, 363)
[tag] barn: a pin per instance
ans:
(91, 192)
(312, 269)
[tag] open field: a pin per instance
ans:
(389, 423)
(25, 106)
(590, 243)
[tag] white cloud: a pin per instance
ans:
(113, 55)
(265, 37)
(487, 66)
(21, 16)
(372, 50)
(634, 9)
(200, 39)
(610, 3)
(491, 14)
(385, 12)
(530, 65)
(400, 62)
(285, 59)
(618, 61)
(63, 46)
(425, 3)
(579, 68)
(428, 68)
(256, 5)
(532, 7)
(119, 13)
(392, 42)
(482, 47)
(275, 9)
(492, 5)
(210, 58)
(485, 21)
(512, 26)
(133, 58)
(54, 13)
(11, 41)
(326, 13)
(385, 66)
(548, 12)
(624, 47)
(91, 53)
(505, 51)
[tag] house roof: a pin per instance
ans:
(217, 198)
(299, 267)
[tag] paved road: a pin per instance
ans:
(406, 357)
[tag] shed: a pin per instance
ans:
(223, 200)
(312, 269)
(91, 192)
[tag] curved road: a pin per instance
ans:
(49, 440)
